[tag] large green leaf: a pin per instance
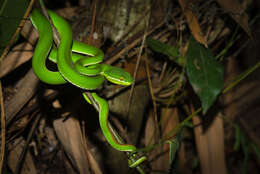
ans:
(170, 51)
(11, 13)
(205, 74)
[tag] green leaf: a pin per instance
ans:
(238, 138)
(170, 51)
(195, 162)
(246, 145)
(205, 74)
(256, 150)
(174, 148)
(11, 13)
(246, 148)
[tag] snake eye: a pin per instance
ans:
(121, 78)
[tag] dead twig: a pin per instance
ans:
(93, 18)
(28, 140)
(2, 130)
(135, 73)
(17, 31)
(131, 43)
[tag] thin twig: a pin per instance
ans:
(130, 45)
(2, 130)
(93, 18)
(17, 31)
(155, 118)
(85, 144)
(254, 138)
(179, 126)
(56, 36)
(28, 140)
(136, 70)
(229, 87)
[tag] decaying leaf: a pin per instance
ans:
(237, 12)
(193, 23)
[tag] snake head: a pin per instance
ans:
(117, 76)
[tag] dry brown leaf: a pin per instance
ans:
(170, 121)
(210, 146)
(26, 87)
(159, 157)
(149, 130)
(231, 107)
(193, 23)
(69, 134)
(29, 32)
(237, 12)
(240, 102)
(149, 140)
(71, 137)
(19, 55)
(15, 150)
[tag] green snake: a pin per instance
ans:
(78, 64)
